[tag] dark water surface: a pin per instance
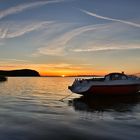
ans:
(32, 109)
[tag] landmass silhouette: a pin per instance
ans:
(21, 72)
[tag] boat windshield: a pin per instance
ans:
(116, 76)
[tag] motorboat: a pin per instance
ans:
(111, 84)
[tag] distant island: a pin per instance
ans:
(22, 72)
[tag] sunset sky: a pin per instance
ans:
(70, 37)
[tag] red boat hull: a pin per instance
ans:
(113, 89)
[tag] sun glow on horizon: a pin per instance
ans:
(82, 72)
(71, 73)
(66, 71)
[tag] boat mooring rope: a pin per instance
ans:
(65, 97)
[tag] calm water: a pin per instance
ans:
(32, 109)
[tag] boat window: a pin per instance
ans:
(107, 78)
(118, 77)
(124, 77)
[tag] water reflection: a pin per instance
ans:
(30, 108)
(105, 103)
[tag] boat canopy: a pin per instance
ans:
(116, 76)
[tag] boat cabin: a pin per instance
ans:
(116, 76)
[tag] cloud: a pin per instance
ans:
(107, 47)
(22, 7)
(3, 33)
(18, 29)
(57, 46)
(13, 60)
(111, 19)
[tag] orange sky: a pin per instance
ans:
(69, 73)
(69, 70)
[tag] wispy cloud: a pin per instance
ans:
(13, 60)
(22, 7)
(107, 47)
(16, 30)
(3, 33)
(110, 19)
(58, 45)
(91, 38)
